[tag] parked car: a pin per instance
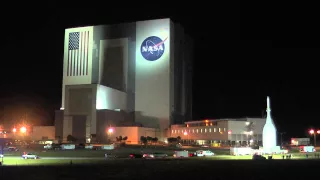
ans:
(202, 153)
(29, 156)
(155, 155)
(132, 156)
(109, 155)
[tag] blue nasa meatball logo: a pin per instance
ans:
(152, 48)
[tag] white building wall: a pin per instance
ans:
(108, 98)
(80, 59)
(152, 89)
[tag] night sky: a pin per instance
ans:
(236, 66)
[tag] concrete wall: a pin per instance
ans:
(81, 100)
(43, 133)
(133, 133)
(114, 36)
(216, 132)
(152, 78)
(58, 123)
(77, 60)
(107, 119)
(79, 128)
(238, 129)
(108, 98)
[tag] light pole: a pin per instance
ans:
(314, 133)
(23, 130)
(281, 133)
(186, 134)
(110, 131)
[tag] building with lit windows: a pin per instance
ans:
(234, 132)
(124, 75)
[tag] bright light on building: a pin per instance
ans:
(311, 131)
(247, 123)
(14, 130)
(110, 130)
(318, 132)
(23, 129)
(229, 132)
(185, 133)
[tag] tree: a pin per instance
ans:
(143, 140)
(155, 140)
(70, 138)
(172, 140)
(149, 139)
(178, 139)
(119, 139)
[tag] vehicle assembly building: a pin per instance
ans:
(124, 75)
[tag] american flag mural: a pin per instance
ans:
(78, 53)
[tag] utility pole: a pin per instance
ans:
(281, 133)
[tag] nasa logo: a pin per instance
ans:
(152, 48)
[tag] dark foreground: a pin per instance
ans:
(170, 169)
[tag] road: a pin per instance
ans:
(59, 158)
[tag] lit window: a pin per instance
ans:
(172, 131)
(224, 129)
(175, 131)
(197, 130)
(205, 130)
(214, 129)
(192, 130)
(189, 130)
(201, 130)
(219, 129)
(210, 130)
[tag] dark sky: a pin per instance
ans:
(239, 60)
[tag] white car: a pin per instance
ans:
(29, 156)
(1, 155)
(204, 153)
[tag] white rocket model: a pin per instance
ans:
(269, 134)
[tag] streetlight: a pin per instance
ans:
(110, 131)
(281, 133)
(23, 129)
(312, 132)
(186, 134)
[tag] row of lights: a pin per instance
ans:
(22, 129)
(186, 133)
(312, 131)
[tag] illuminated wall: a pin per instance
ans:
(112, 99)
(134, 134)
(152, 79)
(136, 67)
(39, 132)
(77, 59)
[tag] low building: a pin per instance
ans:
(39, 133)
(133, 134)
(234, 132)
(300, 141)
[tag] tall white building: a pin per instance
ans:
(124, 74)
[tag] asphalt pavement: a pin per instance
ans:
(59, 158)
